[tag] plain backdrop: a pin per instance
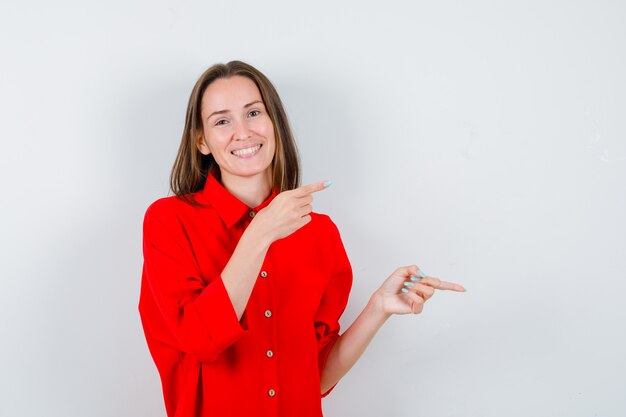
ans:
(481, 140)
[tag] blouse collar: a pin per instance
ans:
(229, 207)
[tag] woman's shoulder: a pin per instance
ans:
(323, 221)
(163, 204)
(172, 205)
(320, 218)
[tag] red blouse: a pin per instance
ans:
(266, 364)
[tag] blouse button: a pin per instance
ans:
(263, 274)
(271, 392)
(251, 213)
(270, 353)
(268, 313)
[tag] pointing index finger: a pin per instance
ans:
(442, 285)
(314, 187)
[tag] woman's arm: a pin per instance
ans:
(352, 343)
(404, 292)
(245, 262)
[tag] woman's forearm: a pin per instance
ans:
(241, 271)
(352, 343)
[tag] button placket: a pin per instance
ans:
(270, 366)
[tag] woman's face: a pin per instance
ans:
(237, 128)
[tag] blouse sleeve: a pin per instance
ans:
(199, 319)
(333, 301)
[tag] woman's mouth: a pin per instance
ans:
(247, 152)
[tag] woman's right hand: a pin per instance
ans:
(286, 213)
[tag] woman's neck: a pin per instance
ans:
(252, 190)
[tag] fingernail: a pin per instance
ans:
(420, 273)
(415, 279)
(405, 290)
(327, 183)
(408, 284)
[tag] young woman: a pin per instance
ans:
(243, 284)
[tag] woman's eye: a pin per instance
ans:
(255, 111)
(219, 122)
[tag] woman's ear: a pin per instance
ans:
(202, 145)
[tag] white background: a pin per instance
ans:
(481, 140)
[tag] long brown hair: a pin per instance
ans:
(191, 167)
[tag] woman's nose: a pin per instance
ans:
(242, 131)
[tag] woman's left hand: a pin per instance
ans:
(393, 301)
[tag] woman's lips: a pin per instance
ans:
(248, 152)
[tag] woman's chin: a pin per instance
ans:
(248, 171)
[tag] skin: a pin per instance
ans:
(250, 181)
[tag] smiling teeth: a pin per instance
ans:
(246, 151)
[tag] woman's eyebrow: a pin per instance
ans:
(226, 111)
